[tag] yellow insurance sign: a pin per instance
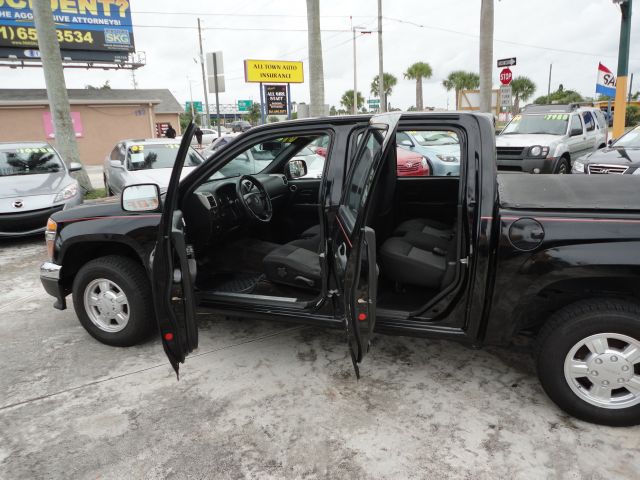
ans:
(275, 71)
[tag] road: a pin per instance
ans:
(265, 400)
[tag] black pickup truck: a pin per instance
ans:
(271, 227)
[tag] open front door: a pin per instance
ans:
(174, 271)
(354, 243)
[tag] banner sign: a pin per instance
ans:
(276, 99)
(259, 71)
(93, 25)
(606, 83)
(49, 130)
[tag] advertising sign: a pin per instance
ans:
(259, 71)
(92, 25)
(49, 130)
(606, 83)
(276, 99)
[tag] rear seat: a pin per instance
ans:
(425, 233)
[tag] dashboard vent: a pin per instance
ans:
(284, 180)
(211, 199)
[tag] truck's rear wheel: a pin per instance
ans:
(588, 359)
(112, 298)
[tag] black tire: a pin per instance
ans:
(563, 166)
(131, 277)
(568, 327)
(107, 187)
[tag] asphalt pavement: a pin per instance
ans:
(269, 400)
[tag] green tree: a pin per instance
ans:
(461, 80)
(254, 113)
(347, 100)
(633, 116)
(523, 89)
(560, 96)
(104, 86)
(418, 72)
(388, 82)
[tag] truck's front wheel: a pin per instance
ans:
(588, 359)
(112, 298)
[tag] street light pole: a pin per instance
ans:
(623, 68)
(383, 100)
(355, 75)
(204, 78)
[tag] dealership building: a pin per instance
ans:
(101, 118)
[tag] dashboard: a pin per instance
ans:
(214, 209)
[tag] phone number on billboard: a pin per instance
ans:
(18, 35)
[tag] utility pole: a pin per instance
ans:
(486, 55)
(215, 81)
(623, 68)
(316, 68)
(56, 88)
(355, 75)
(207, 121)
(549, 85)
(630, 88)
(383, 100)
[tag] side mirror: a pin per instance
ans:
(141, 198)
(75, 166)
(610, 142)
(115, 164)
(295, 169)
(575, 132)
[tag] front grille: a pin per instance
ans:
(26, 221)
(605, 169)
(509, 168)
(510, 151)
(414, 167)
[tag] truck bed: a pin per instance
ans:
(569, 192)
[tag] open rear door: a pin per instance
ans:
(354, 243)
(173, 269)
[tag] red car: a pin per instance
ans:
(411, 164)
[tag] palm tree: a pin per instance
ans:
(316, 71)
(388, 82)
(347, 100)
(523, 89)
(418, 72)
(461, 80)
(486, 54)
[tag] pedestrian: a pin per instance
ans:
(198, 134)
(170, 132)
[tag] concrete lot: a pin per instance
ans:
(263, 400)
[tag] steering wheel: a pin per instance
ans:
(254, 198)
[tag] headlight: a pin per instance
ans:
(637, 171)
(578, 166)
(447, 158)
(67, 192)
(538, 151)
(50, 237)
(424, 162)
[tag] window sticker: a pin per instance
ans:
(137, 157)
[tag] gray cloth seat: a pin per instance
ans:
(426, 234)
(296, 264)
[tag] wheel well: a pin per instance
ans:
(534, 312)
(78, 255)
(602, 145)
(566, 155)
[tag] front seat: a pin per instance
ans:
(296, 264)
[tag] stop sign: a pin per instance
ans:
(506, 76)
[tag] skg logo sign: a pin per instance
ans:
(116, 36)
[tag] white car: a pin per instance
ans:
(144, 161)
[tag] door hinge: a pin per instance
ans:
(464, 261)
(333, 293)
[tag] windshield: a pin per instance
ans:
(153, 156)
(436, 138)
(29, 161)
(549, 124)
(630, 139)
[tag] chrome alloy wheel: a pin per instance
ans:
(604, 370)
(106, 305)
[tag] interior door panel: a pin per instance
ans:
(428, 197)
(302, 206)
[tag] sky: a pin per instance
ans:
(573, 35)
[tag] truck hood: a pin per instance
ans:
(527, 140)
(33, 185)
(159, 176)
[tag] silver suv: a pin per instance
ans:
(548, 138)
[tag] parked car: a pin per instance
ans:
(411, 164)
(547, 138)
(144, 161)
(240, 126)
(218, 143)
(480, 258)
(208, 136)
(34, 184)
(441, 150)
(620, 157)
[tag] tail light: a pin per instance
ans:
(50, 237)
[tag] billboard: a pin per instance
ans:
(89, 25)
(276, 99)
(260, 71)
